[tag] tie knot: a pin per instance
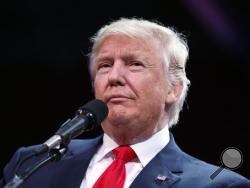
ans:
(124, 153)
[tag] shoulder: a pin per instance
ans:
(75, 147)
(175, 168)
(200, 171)
(196, 173)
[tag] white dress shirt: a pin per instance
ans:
(145, 152)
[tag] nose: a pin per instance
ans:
(116, 75)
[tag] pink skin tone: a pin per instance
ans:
(129, 77)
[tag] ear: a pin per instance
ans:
(174, 92)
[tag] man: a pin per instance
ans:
(138, 70)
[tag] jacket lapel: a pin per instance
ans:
(164, 170)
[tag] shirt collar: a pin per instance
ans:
(145, 150)
(106, 148)
(149, 148)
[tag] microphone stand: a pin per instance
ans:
(53, 155)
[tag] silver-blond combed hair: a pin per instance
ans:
(175, 52)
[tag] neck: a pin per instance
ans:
(129, 135)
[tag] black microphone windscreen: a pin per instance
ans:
(98, 108)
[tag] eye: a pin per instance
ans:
(104, 67)
(136, 65)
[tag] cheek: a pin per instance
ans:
(150, 84)
(98, 88)
(154, 92)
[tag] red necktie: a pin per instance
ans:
(114, 176)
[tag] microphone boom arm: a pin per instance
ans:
(54, 155)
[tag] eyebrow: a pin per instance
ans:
(103, 58)
(126, 56)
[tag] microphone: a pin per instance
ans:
(88, 117)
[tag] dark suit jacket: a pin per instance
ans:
(179, 169)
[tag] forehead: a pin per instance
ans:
(126, 44)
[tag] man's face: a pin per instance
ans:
(130, 79)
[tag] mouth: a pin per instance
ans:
(117, 98)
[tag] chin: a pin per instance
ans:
(117, 119)
(119, 114)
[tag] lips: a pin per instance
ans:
(117, 98)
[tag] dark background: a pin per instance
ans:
(44, 77)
